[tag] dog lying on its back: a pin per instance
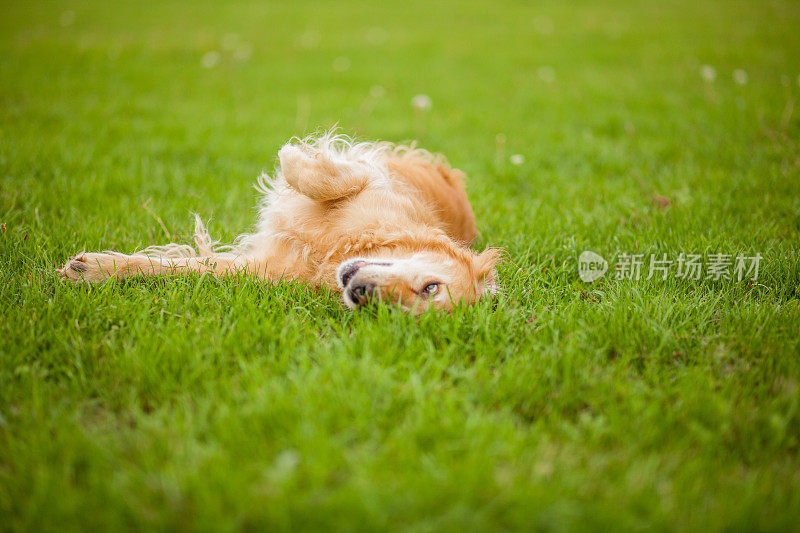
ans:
(373, 220)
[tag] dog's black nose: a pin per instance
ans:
(360, 293)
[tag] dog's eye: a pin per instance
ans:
(430, 289)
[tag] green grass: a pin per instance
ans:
(195, 403)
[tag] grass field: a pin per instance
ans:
(194, 403)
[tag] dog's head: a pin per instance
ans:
(426, 279)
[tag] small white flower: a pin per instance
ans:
(287, 460)
(740, 76)
(309, 40)
(341, 64)
(67, 18)
(708, 73)
(517, 159)
(230, 41)
(377, 91)
(377, 36)
(285, 465)
(243, 52)
(543, 24)
(210, 59)
(546, 74)
(421, 102)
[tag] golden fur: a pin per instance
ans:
(372, 220)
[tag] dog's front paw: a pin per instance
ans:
(299, 168)
(88, 268)
(315, 175)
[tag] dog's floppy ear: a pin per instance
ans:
(485, 271)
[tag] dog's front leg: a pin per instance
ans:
(96, 267)
(319, 177)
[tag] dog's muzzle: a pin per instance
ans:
(358, 290)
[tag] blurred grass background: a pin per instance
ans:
(203, 404)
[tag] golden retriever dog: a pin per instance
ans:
(375, 221)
